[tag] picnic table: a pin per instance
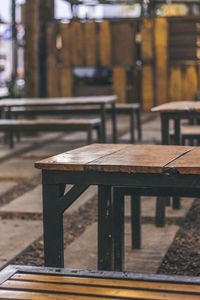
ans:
(27, 282)
(176, 111)
(152, 170)
(102, 101)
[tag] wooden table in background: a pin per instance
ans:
(102, 101)
(176, 111)
(143, 169)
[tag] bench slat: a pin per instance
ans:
(109, 282)
(5, 294)
(98, 291)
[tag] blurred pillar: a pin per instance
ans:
(46, 15)
(13, 90)
(37, 14)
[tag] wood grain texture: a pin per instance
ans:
(32, 48)
(52, 68)
(147, 87)
(115, 158)
(123, 44)
(66, 82)
(65, 55)
(20, 282)
(190, 83)
(90, 42)
(37, 286)
(147, 39)
(97, 291)
(119, 83)
(161, 60)
(105, 44)
(107, 282)
(188, 163)
(175, 84)
(77, 43)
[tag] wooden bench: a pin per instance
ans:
(131, 109)
(20, 282)
(189, 133)
(15, 126)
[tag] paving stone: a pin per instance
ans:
(5, 186)
(82, 253)
(16, 235)
(148, 207)
(31, 202)
(18, 169)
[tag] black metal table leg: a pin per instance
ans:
(118, 229)
(165, 141)
(136, 221)
(139, 129)
(177, 140)
(132, 126)
(165, 129)
(103, 122)
(114, 123)
(53, 226)
(105, 228)
(160, 211)
(177, 132)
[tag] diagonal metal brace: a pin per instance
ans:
(66, 200)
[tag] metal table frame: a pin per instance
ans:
(110, 212)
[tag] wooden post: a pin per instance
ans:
(90, 42)
(46, 15)
(32, 48)
(37, 14)
(161, 59)
(77, 43)
(53, 87)
(105, 44)
(147, 56)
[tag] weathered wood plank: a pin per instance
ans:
(161, 61)
(65, 55)
(32, 48)
(119, 83)
(108, 282)
(53, 88)
(190, 83)
(77, 43)
(66, 82)
(147, 39)
(105, 44)
(123, 44)
(90, 43)
(175, 84)
(147, 87)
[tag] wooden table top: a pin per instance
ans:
(178, 106)
(58, 101)
(126, 158)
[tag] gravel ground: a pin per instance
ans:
(182, 257)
